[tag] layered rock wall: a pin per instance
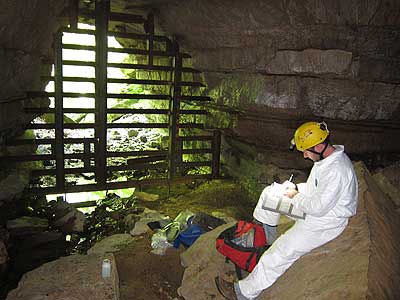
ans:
(26, 37)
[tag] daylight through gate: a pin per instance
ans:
(84, 129)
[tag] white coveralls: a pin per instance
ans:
(329, 198)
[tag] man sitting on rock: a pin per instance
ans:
(329, 199)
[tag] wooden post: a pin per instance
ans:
(59, 115)
(102, 16)
(216, 150)
(174, 112)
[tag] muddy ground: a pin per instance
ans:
(147, 276)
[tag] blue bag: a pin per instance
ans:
(189, 236)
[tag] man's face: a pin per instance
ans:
(310, 155)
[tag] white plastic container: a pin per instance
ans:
(106, 268)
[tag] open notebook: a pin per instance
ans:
(275, 201)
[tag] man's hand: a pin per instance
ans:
(290, 189)
(288, 185)
(290, 193)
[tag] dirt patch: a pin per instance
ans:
(147, 276)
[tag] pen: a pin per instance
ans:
(290, 178)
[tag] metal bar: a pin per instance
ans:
(102, 13)
(195, 98)
(84, 204)
(116, 185)
(145, 52)
(137, 111)
(137, 153)
(112, 80)
(193, 112)
(174, 112)
(196, 138)
(29, 157)
(127, 35)
(137, 125)
(123, 50)
(86, 150)
(142, 160)
(73, 11)
(140, 67)
(193, 164)
(127, 18)
(38, 157)
(216, 150)
(191, 125)
(192, 83)
(59, 115)
(44, 172)
(143, 166)
(139, 81)
(52, 110)
(149, 28)
(92, 95)
(196, 151)
(112, 125)
(48, 141)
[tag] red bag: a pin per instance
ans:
(243, 244)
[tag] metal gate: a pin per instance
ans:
(94, 159)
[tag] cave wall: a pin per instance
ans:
(271, 65)
(26, 36)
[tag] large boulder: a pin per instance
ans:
(111, 244)
(76, 277)
(388, 180)
(25, 226)
(365, 254)
(66, 217)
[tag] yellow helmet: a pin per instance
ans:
(310, 134)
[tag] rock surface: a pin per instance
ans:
(111, 244)
(362, 255)
(76, 277)
(388, 180)
(26, 226)
(66, 217)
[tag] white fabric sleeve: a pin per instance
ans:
(324, 197)
(301, 187)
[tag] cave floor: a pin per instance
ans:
(147, 276)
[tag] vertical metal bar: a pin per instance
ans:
(59, 115)
(174, 112)
(102, 16)
(150, 32)
(86, 150)
(216, 150)
(73, 11)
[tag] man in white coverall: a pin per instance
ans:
(329, 199)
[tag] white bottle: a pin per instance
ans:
(106, 268)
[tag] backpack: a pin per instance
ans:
(243, 244)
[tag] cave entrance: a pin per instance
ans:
(163, 92)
